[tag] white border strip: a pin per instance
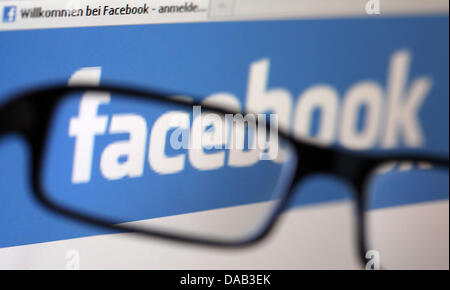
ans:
(212, 10)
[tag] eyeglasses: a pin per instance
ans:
(174, 168)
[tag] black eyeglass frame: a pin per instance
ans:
(30, 113)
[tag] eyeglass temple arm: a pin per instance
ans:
(15, 116)
(353, 166)
(26, 114)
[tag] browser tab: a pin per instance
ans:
(51, 14)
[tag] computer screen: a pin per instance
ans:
(364, 77)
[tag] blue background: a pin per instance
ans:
(204, 58)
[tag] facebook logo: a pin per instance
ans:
(9, 14)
